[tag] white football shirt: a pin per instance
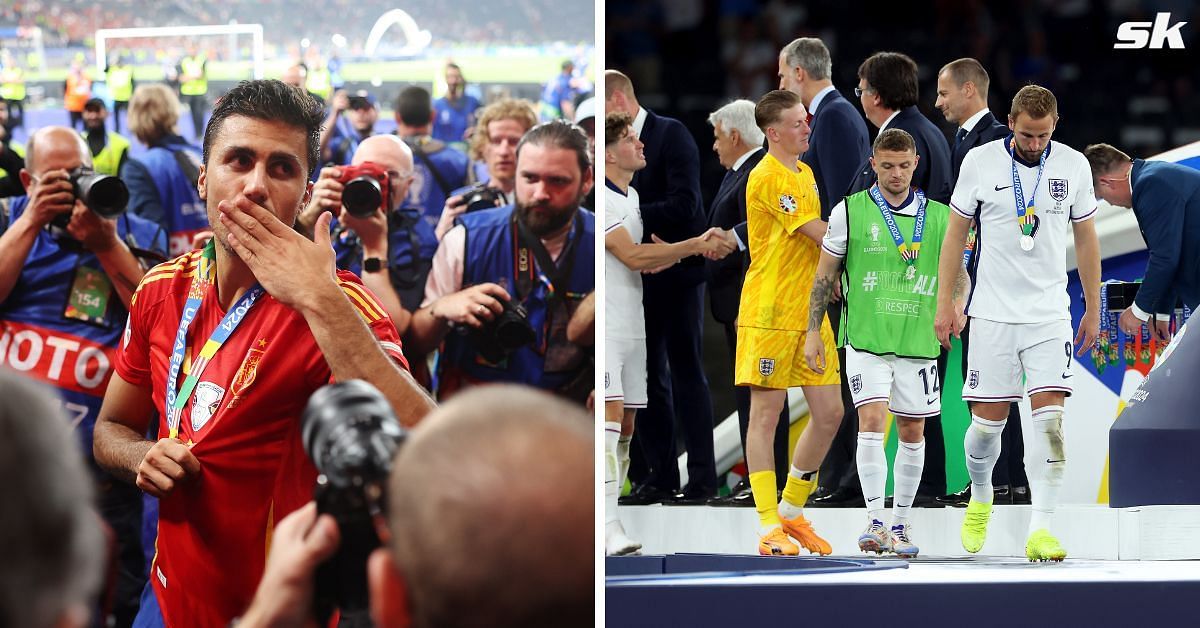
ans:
(624, 316)
(838, 232)
(1010, 285)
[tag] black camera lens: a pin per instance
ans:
(362, 196)
(106, 195)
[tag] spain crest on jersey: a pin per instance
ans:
(1058, 189)
(247, 371)
(787, 203)
(766, 366)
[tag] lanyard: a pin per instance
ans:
(1025, 210)
(204, 277)
(909, 255)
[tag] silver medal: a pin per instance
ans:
(1026, 243)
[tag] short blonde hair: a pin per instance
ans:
(153, 112)
(517, 109)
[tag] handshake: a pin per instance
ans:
(713, 244)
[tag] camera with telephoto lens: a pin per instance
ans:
(365, 189)
(482, 197)
(104, 194)
(351, 435)
(503, 334)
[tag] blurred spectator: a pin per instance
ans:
(12, 90)
(558, 96)
(55, 246)
(193, 86)
(77, 89)
(120, 88)
(455, 111)
(12, 159)
(439, 168)
(109, 149)
(162, 180)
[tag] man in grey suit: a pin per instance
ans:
(962, 89)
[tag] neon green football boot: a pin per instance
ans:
(974, 527)
(1042, 546)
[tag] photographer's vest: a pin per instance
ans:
(120, 83)
(43, 331)
(198, 86)
(495, 254)
(184, 214)
(108, 160)
(79, 90)
(411, 246)
(12, 84)
(888, 313)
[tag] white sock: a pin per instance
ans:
(1048, 460)
(910, 460)
(612, 431)
(872, 471)
(622, 460)
(982, 445)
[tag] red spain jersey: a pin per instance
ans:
(243, 425)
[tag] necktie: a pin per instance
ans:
(809, 119)
(958, 137)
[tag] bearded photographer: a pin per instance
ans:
(66, 277)
(501, 126)
(538, 254)
(390, 248)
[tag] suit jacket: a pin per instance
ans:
(988, 128)
(669, 189)
(933, 169)
(725, 276)
(1166, 202)
(838, 144)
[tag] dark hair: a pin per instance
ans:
(771, 106)
(616, 126)
(1103, 158)
(269, 100)
(894, 140)
(414, 106)
(892, 75)
(559, 134)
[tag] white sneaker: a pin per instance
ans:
(616, 543)
(875, 538)
(901, 544)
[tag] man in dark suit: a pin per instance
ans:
(887, 90)
(962, 89)
(738, 144)
(1165, 198)
(669, 187)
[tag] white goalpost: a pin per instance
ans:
(254, 30)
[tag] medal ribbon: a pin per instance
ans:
(907, 253)
(1025, 210)
(205, 275)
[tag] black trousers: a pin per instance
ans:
(197, 103)
(121, 508)
(118, 107)
(677, 389)
(1010, 465)
(741, 395)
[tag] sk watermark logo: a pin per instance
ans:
(1138, 35)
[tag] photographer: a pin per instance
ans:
(280, 321)
(339, 143)
(391, 248)
(162, 180)
(500, 127)
(63, 296)
(440, 169)
(445, 479)
(539, 255)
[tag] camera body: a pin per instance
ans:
(104, 194)
(503, 334)
(480, 197)
(351, 435)
(367, 187)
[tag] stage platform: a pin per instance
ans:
(927, 591)
(1094, 532)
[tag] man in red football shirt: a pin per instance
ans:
(227, 344)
